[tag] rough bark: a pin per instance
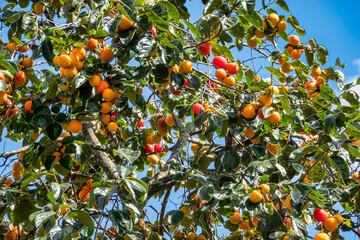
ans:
(12, 153)
(100, 158)
(164, 174)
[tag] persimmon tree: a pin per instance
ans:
(137, 123)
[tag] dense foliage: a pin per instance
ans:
(125, 106)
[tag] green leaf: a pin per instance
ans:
(41, 121)
(53, 131)
(78, 81)
(285, 104)
(42, 217)
(299, 168)
(166, 54)
(24, 208)
(100, 195)
(194, 81)
(256, 20)
(295, 196)
(32, 155)
(172, 10)
(50, 89)
(322, 54)
(217, 120)
(355, 151)
(338, 142)
(281, 169)
(206, 193)
(84, 218)
(224, 50)
(358, 81)
(317, 172)
(146, 46)
(208, 24)
(330, 119)
(97, 15)
(110, 24)
(267, 112)
(160, 23)
(137, 188)
(310, 55)
(58, 233)
(123, 171)
(227, 161)
(277, 235)
(353, 130)
(140, 102)
(342, 166)
(293, 21)
(274, 56)
(248, 5)
(340, 78)
(92, 105)
(225, 37)
(177, 80)
(351, 97)
(28, 180)
(47, 50)
(121, 221)
(24, 3)
(58, 190)
(229, 23)
(283, 5)
(129, 154)
(212, 5)
(11, 66)
(237, 31)
(174, 217)
(298, 153)
(276, 72)
(3, 86)
(66, 162)
(299, 227)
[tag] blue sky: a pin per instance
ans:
(333, 23)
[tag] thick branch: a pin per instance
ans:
(197, 141)
(11, 153)
(175, 155)
(163, 207)
(114, 144)
(100, 158)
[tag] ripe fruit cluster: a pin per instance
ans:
(163, 125)
(70, 64)
(257, 107)
(271, 25)
(312, 87)
(17, 80)
(17, 170)
(225, 70)
(293, 48)
(330, 222)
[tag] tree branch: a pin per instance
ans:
(163, 207)
(100, 158)
(12, 153)
(176, 150)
